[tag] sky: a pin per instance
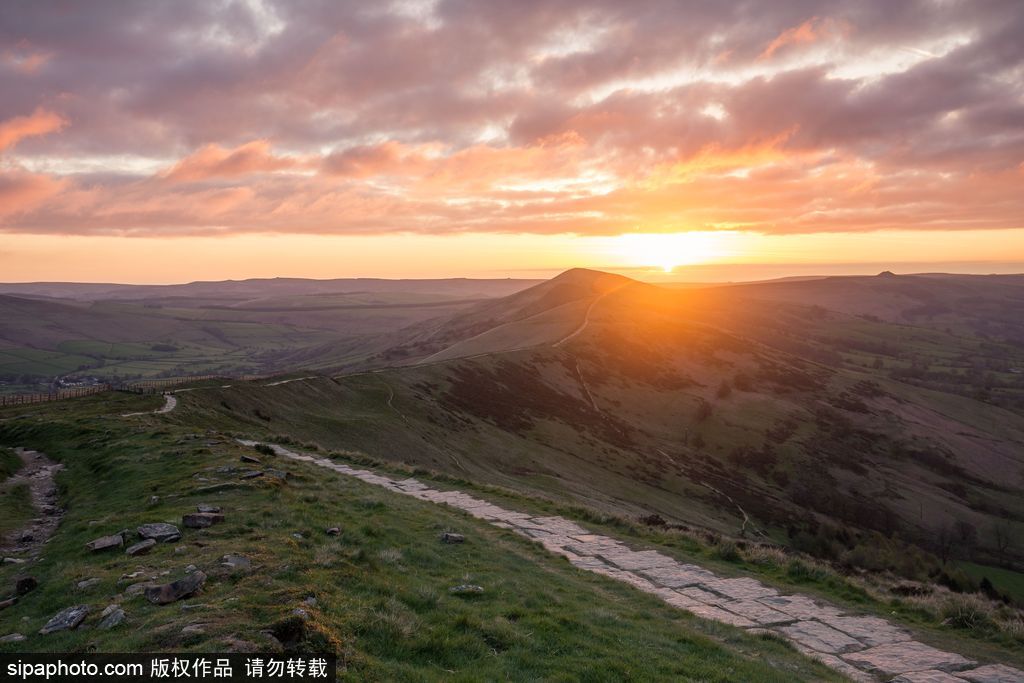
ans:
(168, 141)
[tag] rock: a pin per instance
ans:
(449, 537)
(465, 589)
(161, 532)
(191, 568)
(25, 584)
(141, 548)
(66, 619)
(26, 537)
(300, 613)
(204, 507)
(334, 531)
(821, 638)
(251, 458)
(87, 584)
(311, 601)
(12, 638)
(252, 475)
(13, 560)
(194, 630)
(993, 673)
(138, 588)
(153, 500)
(177, 590)
(112, 616)
(280, 475)
(236, 562)
(897, 658)
(298, 537)
(201, 520)
(105, 543)
(9, 602)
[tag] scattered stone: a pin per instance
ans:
(141, 548)
(194, 630)
(278, 474)
(898, 658)
(252, 475)
(13, 560)
(9, 602)
(66, 619)
(236, 562)
(201, 520)
(138, 588)
(112, 616)
(180, 550)
(251, 458)
(993, 673)
(161, 532)
(177, 590)
(311, 601)
(299, 537)
(132, 576)
(87, 584)
(105, 543)
(191, 568)
(204, 507)
(300, 613)
(26, 536)
(449, 537)
(153, 500)
(12, 638)
(466, 589)
(25, 584)
(334, 531)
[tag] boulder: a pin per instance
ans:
(87, 584)
(201, 520)
(449, 537)
(138, 588)
(66, 619)
(12, 638)
(250, 458)
(466, 589)
(105, 543)
(160, 532)
(278, 474)
(205, 507)
(252, 475)
(9, 602)
(25, 584)
(176, 590)
(334, 531)
(112, 616)
(140, 548)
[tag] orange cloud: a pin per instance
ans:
(20, 191)
(213, 161)
(810, 31)
(39, 122)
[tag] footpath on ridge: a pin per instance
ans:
(864, 648)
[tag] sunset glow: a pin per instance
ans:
(682, 137)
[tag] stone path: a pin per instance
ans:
(38, 472)
(170, 403)
(864, 648)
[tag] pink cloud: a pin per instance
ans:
(214, 161)
(39, 122)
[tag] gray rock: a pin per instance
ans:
(191, 568)
(311, 601)
(300, 613)
(237, 562)
(26, 536)
(9, 602)
(280, 475)
(105, 543)
(176, 590)
(141, 548)
(205, 507)
(112, 616)
(466, 589)
(194, 630)
(66, 619)
(13, 560)
(993, 673)
(25, 584)
(153, 500)
(449, 537)
(12, 638)
(161, 532)
(251, 458)
(897, 658)
(298, 537)
(138, 588)
(334, 531)
(252, 475)
(87, 584)
(201, 520)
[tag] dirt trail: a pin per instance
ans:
(170, 403)
(38, 473)
(864, 648)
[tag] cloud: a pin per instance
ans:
(590, 116)
(39, 122)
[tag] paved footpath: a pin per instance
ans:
(864, 648)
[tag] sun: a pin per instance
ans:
(669, 249)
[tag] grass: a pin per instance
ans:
(381, 587)
(9, 463)
(15, 507)
(1005, 581)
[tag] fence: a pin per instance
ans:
(142, 386)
